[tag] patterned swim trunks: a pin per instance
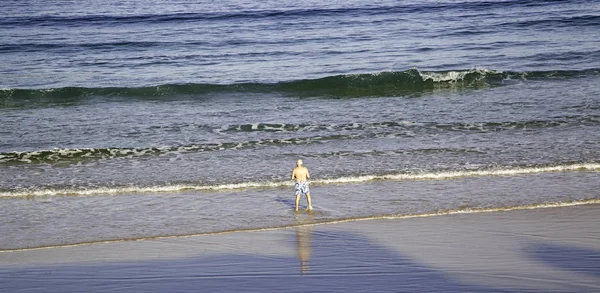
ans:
(302, 188)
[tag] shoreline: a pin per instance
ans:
(468, 210)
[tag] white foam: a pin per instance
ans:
(454, 76)
(458, 174)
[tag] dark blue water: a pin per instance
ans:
(150, 43)
(107, 102)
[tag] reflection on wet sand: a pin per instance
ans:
(303, 242)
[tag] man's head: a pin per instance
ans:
(299, 163)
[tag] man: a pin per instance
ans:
(301, 175)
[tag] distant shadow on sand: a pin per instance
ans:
(575, 259)
(332, 261)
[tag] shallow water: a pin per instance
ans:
(44, 221)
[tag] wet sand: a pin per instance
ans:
(540, 250)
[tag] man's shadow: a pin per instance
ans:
(288, 201)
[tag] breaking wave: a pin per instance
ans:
(390, 83)
(277, 184)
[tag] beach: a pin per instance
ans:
(147, 146)
(530, 250)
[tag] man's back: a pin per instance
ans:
(300, 173)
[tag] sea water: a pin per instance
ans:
(138, 119)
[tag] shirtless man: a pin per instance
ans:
(300, 174)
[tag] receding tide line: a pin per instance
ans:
(329, 222)
(272, 184)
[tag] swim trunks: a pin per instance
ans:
(302, 188)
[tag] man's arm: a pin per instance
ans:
(293, 174)
(307, 175)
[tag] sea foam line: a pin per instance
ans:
(458, 174)
(275, 184)
(329, 222)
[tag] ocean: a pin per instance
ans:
(126, 120)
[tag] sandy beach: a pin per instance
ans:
(540, 250)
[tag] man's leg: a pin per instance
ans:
(297, 200)
(309, 202)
